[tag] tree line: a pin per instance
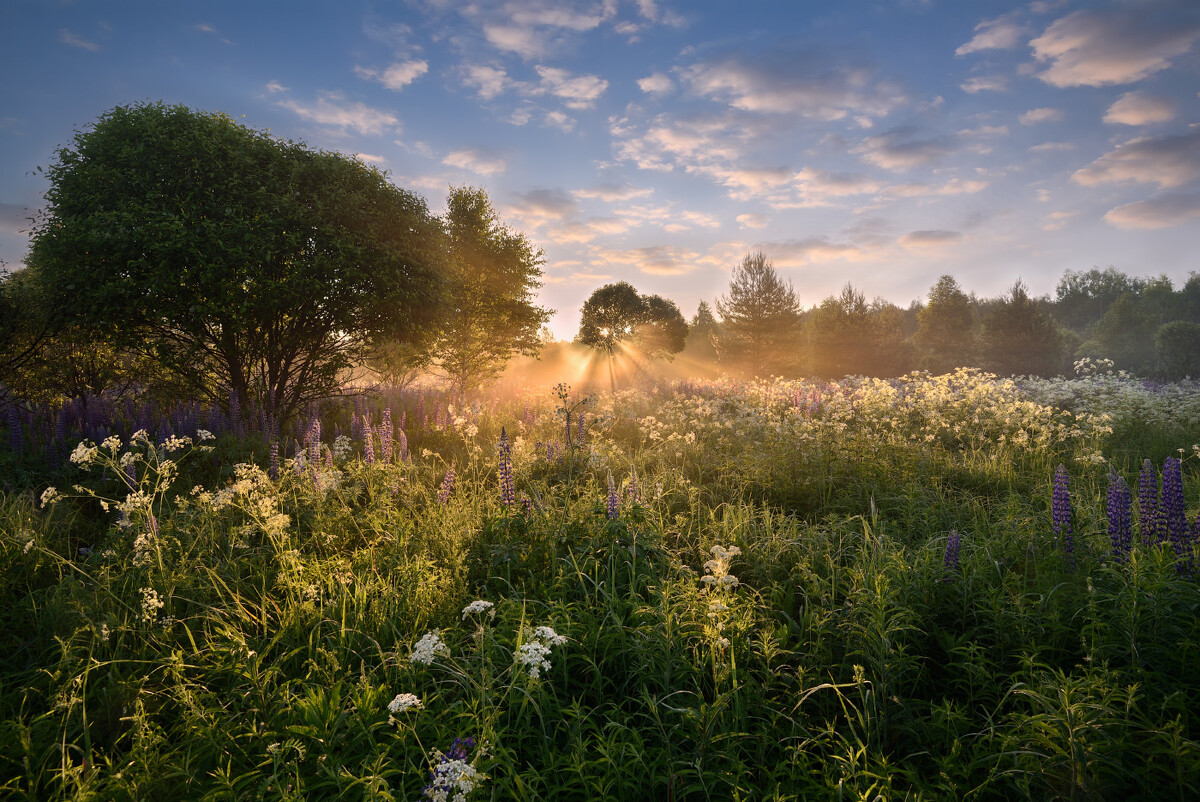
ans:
(759, 328)
(185, 255)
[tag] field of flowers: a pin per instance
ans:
(950, 587)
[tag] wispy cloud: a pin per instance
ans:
(753, 220)
(930, 239)
(656, 84)
(1001, 33)
(1118, 45)
(537, 207)
(1138, 108)
(577, 91)
(396, 76)
(1043, 115)
(476, 160)
(488, 81)
(657, 260)
(984, 83)
(611, 193)
(902, 149)
(331, 109)
(1161, 212)
(1169, 161)
(75, 40)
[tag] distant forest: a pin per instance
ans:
(1145, 326)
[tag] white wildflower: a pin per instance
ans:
(428, 647)
(533, 656)
(29, 547)
(49, 496)
(112, 443)
(341, 447)
(151, 604)
(479, 606)
(204, 434)
(83, 454)
(403, 702)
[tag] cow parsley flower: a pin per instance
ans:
(534, 654)
(49, 496)
(452, 778)
(479, 606)
(428, 647)
(403, 702)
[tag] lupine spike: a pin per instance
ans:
(632, 491)
(273, 470)
(614, 502)
(443, 496)
(1149, 511)
(1120, 519)
(385, 435)
(1173, 514)
(950, 558)
(1061, 508)
(508, 493)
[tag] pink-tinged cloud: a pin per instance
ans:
(1002, 33)
(475, 160)
(657, 260)
(541, 206)
(330, 109)
(487, 81)
(901, 150)
(1138, 108)
(577, 91)
(1169, 161)
(984, 83)
(811, 251)
(1161, 212)
(930, 239)
(397, 76)
(656, 84)
(612, 192)
(1118, 45)
(1043, 115)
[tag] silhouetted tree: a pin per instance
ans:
(1018, 337)
(1082, 297)
(1178, 347)
(760, 320)
(703, 332)
(946, 328)
(1125, 334)
(849, 336)
(491, 315)
(617, 314)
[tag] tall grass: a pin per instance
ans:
(770, 613)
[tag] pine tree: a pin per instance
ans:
(759, 320)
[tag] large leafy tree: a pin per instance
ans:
(946, 328)
(760, 319)
(247, 266)
(617, 316)
(1018, 336)
(491, 315)
(849, 335)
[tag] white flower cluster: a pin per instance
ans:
(428, 647)
(534, 654)
(341, 447)
(479, 606)
(49, 496)
(151, 604)
(457, 777)
(718, 575)
(403, 702)
(83, 455)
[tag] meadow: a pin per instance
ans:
(937, 587)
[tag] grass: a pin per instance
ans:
(247, 642)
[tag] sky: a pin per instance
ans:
(880, 143)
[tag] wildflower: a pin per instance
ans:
(534, 654)
(508, 494)
(447, 487)
(403, 702)
(273, 469)
(49, 496)
(1173, 511)
(428, 647)
(385, 435)
(631, 492)
(402, 439)
(29, 546)
(1061, 510)
(1118, 508)
(83, 454)
(950, 559)
(452, 778)
(151, 604)
(204, 434)
(479, 606)
(718, 575)
(614, 502)
(1149, 513)
(341, 447)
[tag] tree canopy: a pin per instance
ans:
(760, 319)
(946, 328)
(491, 315)
(248, 266)
(618, 314)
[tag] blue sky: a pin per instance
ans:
(658, 141)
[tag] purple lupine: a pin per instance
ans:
(526, 505)
(329, 466)
(1120, 518)
(581, 427)
(273, 469)
(313, 441)
(443, 495)
(950, 558)
(527, 414)
(632, 492)
(508, 494)
(15, 440)
(1061, 509)
(368, 442)
(614, 501)
(385, 435)
(1149, 511)
(442, 778)
(131, 474)
(1173, 514)
(402, 440)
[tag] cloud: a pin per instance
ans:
(74, 40)
(274, 86)
(204, 27)
(488, 81)
(367, 157)
(397, 76)
(1047, 147)
(525, 42)
(1120, 45)
(1002, 33)
(1138, 108)
(984, 83)
(658, 260)
(791, 81)
(475, 160)
(541, 206)
(930, 239)
(612, 192)
(1057, 221)
(560, 120)
(900, 150)
(582, 232)
(579, 91)
(811, 251)
(1043, 115)
(753, 220)
(1169, 161)
(1161, 212)
(656, 84)
(955, 186)
(330, 109)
